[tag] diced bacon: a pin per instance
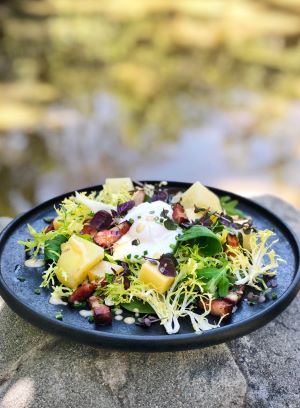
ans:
(224, 306)
(219, 307)
(82, 293)
(94, 301)
(178, 214)
(89, 230)
(50, 228)
(124, 227)
(102, 313)
(232, 240)
(107, 238)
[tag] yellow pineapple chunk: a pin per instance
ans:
(150, 274)
(247, 238)
(119, 184)
(200, 196)
(102, 268)
(77, 256)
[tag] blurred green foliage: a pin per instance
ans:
(144, 52)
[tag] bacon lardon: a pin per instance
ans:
(107, 238)
(89, 230)
(178, 214)
(82, 293)
(102, 313)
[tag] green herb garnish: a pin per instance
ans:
(216, 280)
(230, 205)
(109, 277)
(209, 243)
(170, 225)
(137, 305)
(58, 315)
(53, 247)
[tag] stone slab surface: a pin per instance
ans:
(260, 370)
(269, 358)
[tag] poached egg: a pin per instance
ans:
(147, 234)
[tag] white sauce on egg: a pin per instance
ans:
(152, 237)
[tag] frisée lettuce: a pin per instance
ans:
(160, 254)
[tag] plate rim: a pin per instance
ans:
(165, 342)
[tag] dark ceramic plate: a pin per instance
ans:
(20, 296)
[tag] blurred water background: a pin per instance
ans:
(180, 90)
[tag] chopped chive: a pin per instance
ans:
(139, 217)
(136, 242)
(79, 305)
(170, 225)
(58, 315)
(21, 278)
(146, 252)
(131, 220)
(274, 296)
(91, 319)
(37, 291)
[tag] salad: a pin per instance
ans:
(160, 254)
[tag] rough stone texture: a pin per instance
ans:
(3, 222)
(38, 370)
(270, 357)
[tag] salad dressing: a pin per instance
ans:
(85, 313)
(119, 317)
(34, 263)
(55, 300)
(129, 320)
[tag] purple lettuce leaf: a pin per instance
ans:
(159, 195)
(122, 209)
(101, 220)
(167, 265)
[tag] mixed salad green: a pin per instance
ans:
(158, 253)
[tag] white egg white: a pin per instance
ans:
(152, 237)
